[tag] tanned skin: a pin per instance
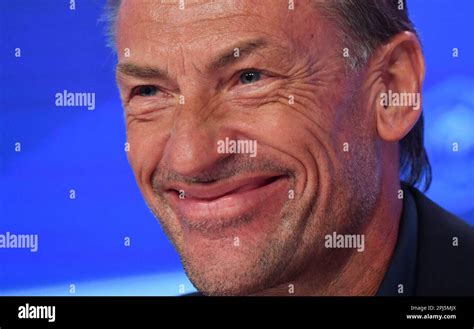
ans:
(334, 148)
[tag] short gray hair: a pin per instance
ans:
(109, 17)
(364, 25)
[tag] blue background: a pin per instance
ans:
(81, 241)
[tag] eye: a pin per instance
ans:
(145, 91)
(248, 77)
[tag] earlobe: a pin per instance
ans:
(395, 121)
(397, 99)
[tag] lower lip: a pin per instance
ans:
(227, 210)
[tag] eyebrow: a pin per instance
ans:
(145, 72)
(227, 57)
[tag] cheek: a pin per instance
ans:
(146, 146)
(307, 130)
(288, 130)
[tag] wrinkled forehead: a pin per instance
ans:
(173, 23)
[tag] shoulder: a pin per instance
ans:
(445, 257)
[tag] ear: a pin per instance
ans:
(397, 70)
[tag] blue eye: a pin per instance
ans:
(146, 91)
(250, 77)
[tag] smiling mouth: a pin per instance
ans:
(217, 205)
(211, 192)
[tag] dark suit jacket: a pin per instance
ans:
(441, 268)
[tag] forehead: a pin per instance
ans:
(150, 26)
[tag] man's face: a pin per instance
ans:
(245, 70)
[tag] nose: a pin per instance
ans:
(192, 144)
